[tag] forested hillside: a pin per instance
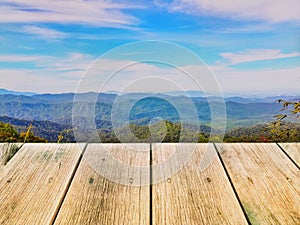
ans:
(51, 117)
(13, 130)
(8, 133)
(46, 129)
(58, 108)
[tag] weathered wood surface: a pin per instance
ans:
(33, 183)
(52, 183)
(266, 180)
(192, 196)
(5, 150)
(293, 150)
(94, 199)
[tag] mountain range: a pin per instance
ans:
(57, 108)
(51, 114)
(9, 92)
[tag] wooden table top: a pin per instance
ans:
(114, 184)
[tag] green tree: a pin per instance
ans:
(8, 133)
(281, 130)
(30, 137)
(292, 106)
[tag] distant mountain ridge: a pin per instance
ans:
(200, 96)
(10, 92)
(57, 108)
(51, 114)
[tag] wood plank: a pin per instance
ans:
(293, 150)
(33, 183)
(266, 181)
(94, 199)
(5, 150)
(192, 196)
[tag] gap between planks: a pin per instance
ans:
(68, 185)
(151, 177)
(152, 215)
(292, 153)
(266, 181)
(33, 182)
(150, 186)
(232, 185)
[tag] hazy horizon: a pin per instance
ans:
(250, 48)
(191, 93)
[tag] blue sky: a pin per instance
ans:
(252, 47)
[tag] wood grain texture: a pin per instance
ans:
(192, 196)
(33, 182)
(266, 181)
(5, 149)
(94, 199)
(293, 150)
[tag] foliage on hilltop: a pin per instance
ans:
(9, 134)
(286, 132)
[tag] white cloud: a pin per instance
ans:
(246, 29)
(71, 62)
(45, 32)
(64, 75)
(259, 82)
(241, 82)
(94, 12)
(18, 58)
(256, 55)
(267, 10)
(125, 75)
(40, 81)
(49, 75)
